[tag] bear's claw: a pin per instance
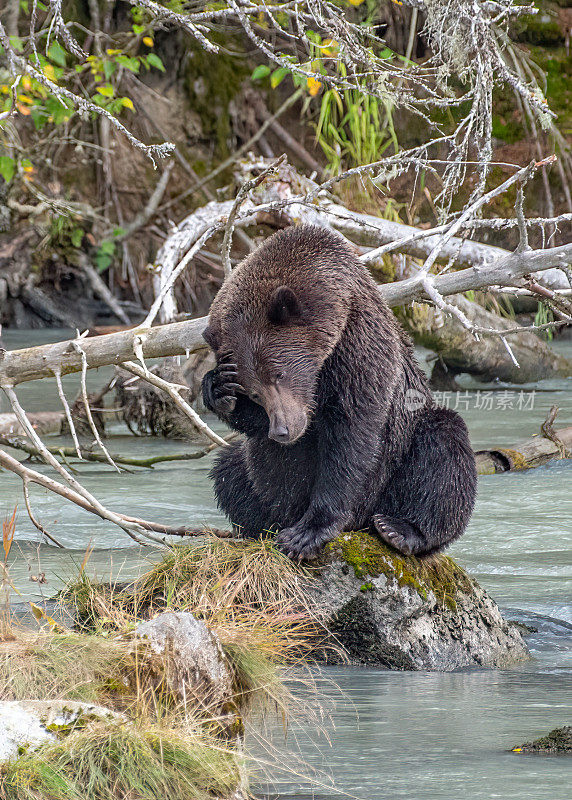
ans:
(222, 385)
(301, 543)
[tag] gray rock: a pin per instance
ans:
(27, 724)
(195, 664)
(404, 613)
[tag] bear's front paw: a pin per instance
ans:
(220, 386)
(302, 543)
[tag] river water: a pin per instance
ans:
(386, 735)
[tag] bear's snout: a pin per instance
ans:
(288, 417)
(279, 432)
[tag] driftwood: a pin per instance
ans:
(44, 422)
(486, 357)
(527, 454)
(178, 338)
(67, 453)
(147, 410)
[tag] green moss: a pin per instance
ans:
(516, 459)
(539, 29)
(384, 271)
(557, 66)
(509, 130)
(371, 558)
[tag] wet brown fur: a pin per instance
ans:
(315, 370)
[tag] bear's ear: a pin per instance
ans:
(284, 306)
(211, 337)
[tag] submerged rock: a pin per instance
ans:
(401, 612)
(194, 663)
(27, 724)
(557, 741)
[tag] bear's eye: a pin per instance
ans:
(279, 376)
(254, 396)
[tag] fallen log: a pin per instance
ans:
(179, 338)
(527, 454)
(282, 200)
(486, 358)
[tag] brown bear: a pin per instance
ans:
(341, 431)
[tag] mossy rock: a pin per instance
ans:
(370, 558)
(405, 613)
(557, 741)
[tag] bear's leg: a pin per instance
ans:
(236, 495)
(429, 498)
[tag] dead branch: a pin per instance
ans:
(31, 476)
(19, 443)
(138, 533)
(173, 391)
(38, 525)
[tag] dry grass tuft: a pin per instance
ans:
(248, 593)
(254, 599)
(108, 761)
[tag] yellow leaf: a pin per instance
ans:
(127, 102)
(28, 168)
(38, 612)
(49, 72)
(517, 750)
(41, 616)
(314, 86)
(148, 41)
(358, 2)
(24, 110)
(26, 83)
(330, 47)
(23, 98)
(8, 530)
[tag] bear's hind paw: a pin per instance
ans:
(399, 535)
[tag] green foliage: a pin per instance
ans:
(543, 316)
(259, 72)
(104, 255)
(100, 76)
(65, 232)
(7, 167)
(353, 128)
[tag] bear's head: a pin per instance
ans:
(281, 314)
